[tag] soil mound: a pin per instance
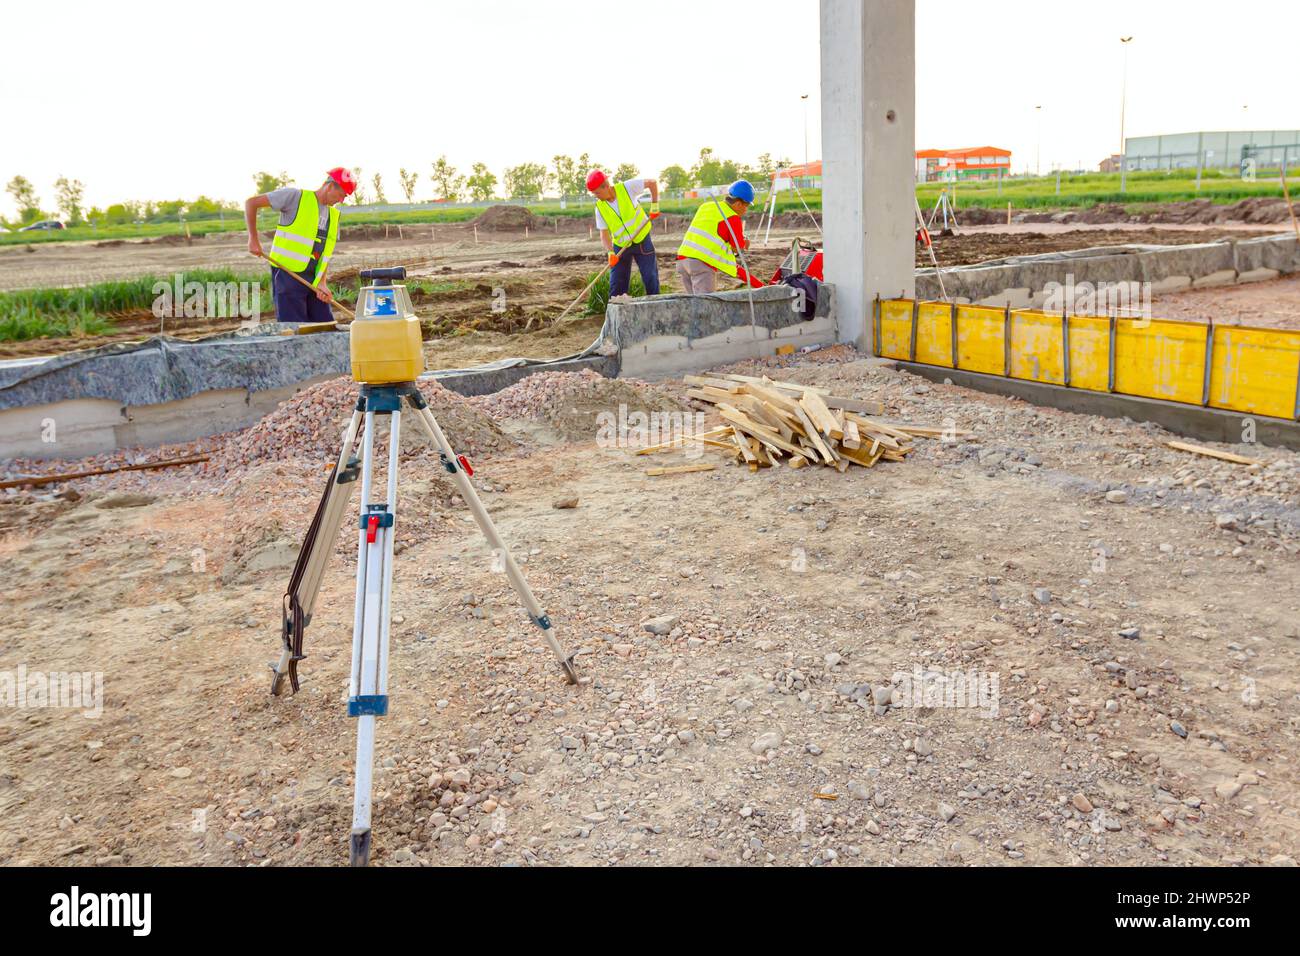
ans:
(578, 404)
(506, 219)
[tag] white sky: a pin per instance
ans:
(172, 100)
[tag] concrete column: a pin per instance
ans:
(868, 70)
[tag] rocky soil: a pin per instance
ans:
(1123, 615)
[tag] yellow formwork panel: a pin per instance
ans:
(1255, 371)
(1090, 353)
(981, 339)
(934, 334)
(1037, 348)
(896, 329)
(1160, 359)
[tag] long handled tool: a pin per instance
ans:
(1286, 191)
(303, 282)
(582, 295)
(38, 481)
(924, 236)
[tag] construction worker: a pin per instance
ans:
(304, 241)
(715, 237)
(625, 228)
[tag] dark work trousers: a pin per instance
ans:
(295, 302)
(643, 253)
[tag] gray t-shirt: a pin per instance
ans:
(635, 187)
(285, 201)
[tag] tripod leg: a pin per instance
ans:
(368, 684)
(467, 492)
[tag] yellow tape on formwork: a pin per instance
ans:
(1037, 347)
(1160, 359)
(981, 343)
(1090, 353)
(1255, 371)
(934, 338)
(896, 329)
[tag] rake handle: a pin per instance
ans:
(303, 282)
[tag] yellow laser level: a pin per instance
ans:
(386, 343)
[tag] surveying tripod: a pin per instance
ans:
(384, 342)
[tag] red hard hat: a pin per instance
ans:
(595, 179)
(343, 176)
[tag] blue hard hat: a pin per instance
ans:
(741, 189)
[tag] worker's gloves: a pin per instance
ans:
(654, 210)
(613, 259)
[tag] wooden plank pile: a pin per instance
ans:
(769, 422)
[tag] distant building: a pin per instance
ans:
(1217, 150)
(951, 165)
(1111, 163)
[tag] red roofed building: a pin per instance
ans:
(949, 165)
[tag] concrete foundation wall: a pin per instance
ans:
(672, 335)
(1022, 281)
(94, 426)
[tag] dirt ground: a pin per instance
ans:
(1273, 305)
(983, 244)
(1136, 607)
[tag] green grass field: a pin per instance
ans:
(87, 310)
(1090, 189)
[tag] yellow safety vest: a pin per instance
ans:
(628, 224)
(703, 242)
(293, 243)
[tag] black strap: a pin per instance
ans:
(295, 620)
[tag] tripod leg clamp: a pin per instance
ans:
(544, 622)
(368, 706)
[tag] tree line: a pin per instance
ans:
(529, 182)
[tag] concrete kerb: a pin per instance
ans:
(1192, 421)
(1021, 281)
(673, 335)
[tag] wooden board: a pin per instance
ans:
(680, 470)
(1214, 453)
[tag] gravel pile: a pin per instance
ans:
(310, 425)
(573, 403)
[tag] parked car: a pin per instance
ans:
(44, 224)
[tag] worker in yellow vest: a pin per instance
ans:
(715, 237)
(304, 242)
(625, 230)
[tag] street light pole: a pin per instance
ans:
(805, 133)
(1123, 107)
(1038, 158)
